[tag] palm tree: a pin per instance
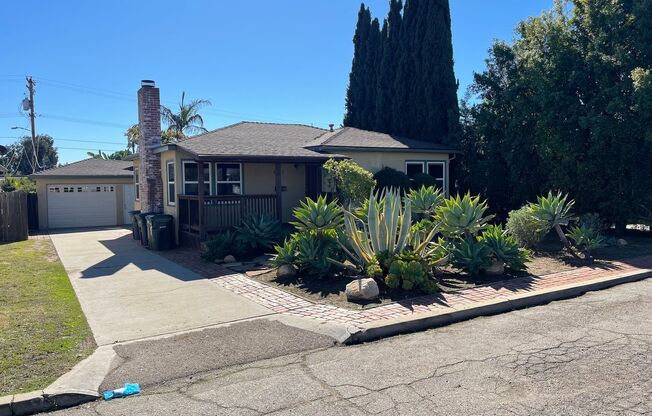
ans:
(187, 121)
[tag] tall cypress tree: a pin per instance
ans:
(438, 114)
(356, 91)
(390, 38)
(413, 89)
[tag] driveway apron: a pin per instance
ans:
(128, 292)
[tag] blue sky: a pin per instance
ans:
(281, 61)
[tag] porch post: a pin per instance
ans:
(200, 202)
(279, 193)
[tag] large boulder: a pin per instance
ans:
(621, 242)
(286, 270)
(229, 259)
(362, 289)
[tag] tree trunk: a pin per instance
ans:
(621, 227)
(565, 241)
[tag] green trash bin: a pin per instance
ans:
(160, 232)
(135, 231)
(141, 219)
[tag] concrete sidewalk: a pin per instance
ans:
(129, 293)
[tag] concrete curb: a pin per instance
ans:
(38, 401)
(79, 385)
(419, 322)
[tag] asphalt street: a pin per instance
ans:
(590, 355)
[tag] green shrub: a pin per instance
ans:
(392, 178)
(318, 215)
(259, 232)
(285, 253)
(353, 183)
(317, 254)
(524, 228)
(423, 179)
(463, 216)
(17, 184)
(471, 256)
(425, 200)
(504, 248)
(410, 271)
(586, 240)
(593, 222)
(221, 245)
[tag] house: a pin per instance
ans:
(88, 193)
(212, 181)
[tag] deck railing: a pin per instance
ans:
(221, 212)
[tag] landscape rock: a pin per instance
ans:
(621, 242)
(229, 259)
(286, 270)
(496, 269)
(362, 289)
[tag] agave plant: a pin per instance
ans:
(317, 254)
(319, 215)
(425, 200)
(471, 256)
(586, 240)
(387, 229)
(259, 231)
(553, 211)
(463, 216)
(504, 248)
(285, 254)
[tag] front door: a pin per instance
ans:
(313, 181)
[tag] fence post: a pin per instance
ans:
(13, 216)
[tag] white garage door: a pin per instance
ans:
(81, 205)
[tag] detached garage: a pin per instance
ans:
(88, 193)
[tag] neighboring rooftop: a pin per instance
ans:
(91, 168)
(352, 138)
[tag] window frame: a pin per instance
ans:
(172, 197)
(210, 176)
(424, 169)
(137, 183)
(239, 182)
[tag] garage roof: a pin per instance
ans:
(90, 168)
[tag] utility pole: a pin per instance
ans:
(30, 87)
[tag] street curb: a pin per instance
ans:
(37, 401)
(403, 325)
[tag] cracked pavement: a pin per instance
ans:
(590, 355)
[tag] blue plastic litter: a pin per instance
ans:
(128, 390)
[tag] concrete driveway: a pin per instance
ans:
(129, 293)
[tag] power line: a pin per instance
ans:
(130, 97)
(69, 140)
(84, 121)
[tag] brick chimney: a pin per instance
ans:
(149, 120)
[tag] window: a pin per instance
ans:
(413, 168)
(190, 178)
(170, 179)
(438, 171)
(136, 184)
(229, 178)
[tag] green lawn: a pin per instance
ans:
(43, 332)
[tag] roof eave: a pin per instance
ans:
(379, 149)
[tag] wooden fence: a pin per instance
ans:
(13, 216)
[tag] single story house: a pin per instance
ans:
(212, 181)
(88, 193)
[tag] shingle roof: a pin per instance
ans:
(349, 137)
(256, 139)
(91, 167)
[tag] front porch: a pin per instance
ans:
(262, 188)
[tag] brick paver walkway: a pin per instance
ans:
(283, 302)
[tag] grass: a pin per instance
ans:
(549, 258)
(43, 331)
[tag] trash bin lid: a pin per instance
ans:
(160, 218)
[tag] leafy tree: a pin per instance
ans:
(187, 121)
(353, 182)
(566, 106)
(119, 155)
(133, 137)
(357, 99)
(18, 159)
